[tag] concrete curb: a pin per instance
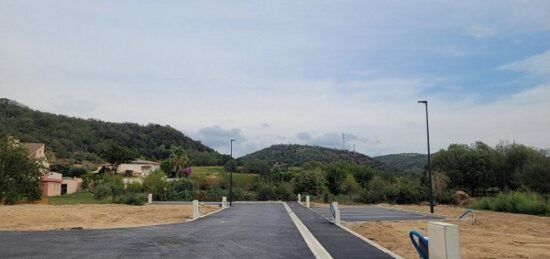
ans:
(413, 211)
(370, 242)
(316, 248)
(205, 215)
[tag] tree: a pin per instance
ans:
(535, 175)
(310, 182)
(336, 173)
(349, 186)
(256, 166)
(178, 159)
(19, 174)
(157, 184)
(231, 166)
(116, 155)
(176, 162)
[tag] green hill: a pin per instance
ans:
(83, 139)
(297, 155)
(408, 162)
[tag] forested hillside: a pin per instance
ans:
(297, 155)
(408, 162)
(84, 139)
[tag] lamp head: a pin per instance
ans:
(423, 101)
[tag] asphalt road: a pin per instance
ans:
(338, 242)
(243, 231)
(367, 213)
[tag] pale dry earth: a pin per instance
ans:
(493, 235)
(27, 217)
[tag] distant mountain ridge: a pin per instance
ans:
(408, 162)
(84, 139)
(297, 155)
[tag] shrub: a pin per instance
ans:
(516, 202)
(375, 192)
(102, 191)
(310, 182)
(157, 184)
(135, 187)
(132, 198)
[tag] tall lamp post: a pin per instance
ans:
(231, 176)
(429, 157)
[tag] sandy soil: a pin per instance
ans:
(493, 235)
(92, 216)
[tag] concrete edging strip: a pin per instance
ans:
(205, 215)
(370, 242)
(316, 248)
(443, 217)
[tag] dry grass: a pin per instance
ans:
(92, 216)
(494, 234)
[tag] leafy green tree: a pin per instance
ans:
(336, 173)
(349, 186)
(157, 184)
(375, 191)
(116, 155)
(230, 166)
(178, 159)
(261, 167)
(19, 174)
(513, 158)
(310, 182)
(535, 175)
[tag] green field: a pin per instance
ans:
(240, 180)
(75, 198)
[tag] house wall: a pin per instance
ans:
(50, 188)
(142, 169)
(73, 184)
(51, 184)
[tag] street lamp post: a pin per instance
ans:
(429, 157)
(231, 176)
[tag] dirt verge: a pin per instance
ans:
(92, 216)
(493, 235)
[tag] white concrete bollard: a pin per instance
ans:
(307, 201)
(299, 198)
(224, 202)
(336, 213)
(196, 212)
(150, 198)
(444, 241)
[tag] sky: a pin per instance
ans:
(270, 72)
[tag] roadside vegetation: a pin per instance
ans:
(76, 198)
(19, 175)
(515, 202)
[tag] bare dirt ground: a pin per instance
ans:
(493, 235)
(92, 216)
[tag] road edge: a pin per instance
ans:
(370, 242)
(205, 215)
(316, 248)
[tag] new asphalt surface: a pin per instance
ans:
(367, 213)
(242, 231)
(338, 242)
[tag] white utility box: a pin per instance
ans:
(444, 242)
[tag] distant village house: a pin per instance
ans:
(51, 183)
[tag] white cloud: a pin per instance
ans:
(263, 72)
(536, 65)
